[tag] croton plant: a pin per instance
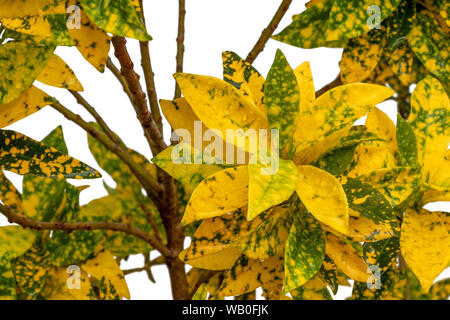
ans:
(343, 207)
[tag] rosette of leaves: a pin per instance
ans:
(387, 42)
(299, 230)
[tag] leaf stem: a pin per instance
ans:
(64, 226)
(267, 33)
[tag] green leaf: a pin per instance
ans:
(370, 203)
(400, 22)
(431, 45)
(395, 184)
(123, 207)
(350, 19)
(118, 17)
(31, 271)
(23, 155)
(407, 143)
(282, 98)
(116, 168)
(308, 28)
(392, 283)
(20, 64)
(66, 249)
(7, 281)
(243, 76)
(269, 237)
(305, 250)
(361, 55)
(381, 253)
(268, 190)
(336, 161)
(42, 196)
(15, 241)
(189, 174)
(59, 35)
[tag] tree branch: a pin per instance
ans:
(150, 186)
(89, 108)
(149, 76)
(151, 131)
(65, 226)
(267, 33)
(180, 42)
(336, 82)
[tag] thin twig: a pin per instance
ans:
(116, 72)
(152, 222)
(149, 76)
(180, 42)
(151, 131)
(89, 108)
(336, 82)
(74, 226)
(150, 186)
(267, 33)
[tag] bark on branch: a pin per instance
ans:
(267, 33)
(75, 226)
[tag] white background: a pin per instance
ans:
(212, 26)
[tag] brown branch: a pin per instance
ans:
(149, 76)
(336, 82)
(89, 108)
(180, 42)
(150, 186)
(267, 33)
(74, 226)
(116, 72)
(152, 222)
(151, 130)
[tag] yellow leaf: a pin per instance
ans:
(251, 83)
(308, 154)
(92, 42)
(307, 96)
(395, 184)
(267, 190)
(220, 105)
(21, 8)
(58, 74)
(362, 229)
(434, 196)
(323, 196)
(429, 118)
(379, 123)
(221, 192)
(248, 274)
(440, 180)
(361, 55)
(346, 258)
(338, 108)
(370, 156)
(56, 286)
(105, 266)
(425, 245)
(220, 260)
(36, 25)
(210, 245)
(32, 100)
